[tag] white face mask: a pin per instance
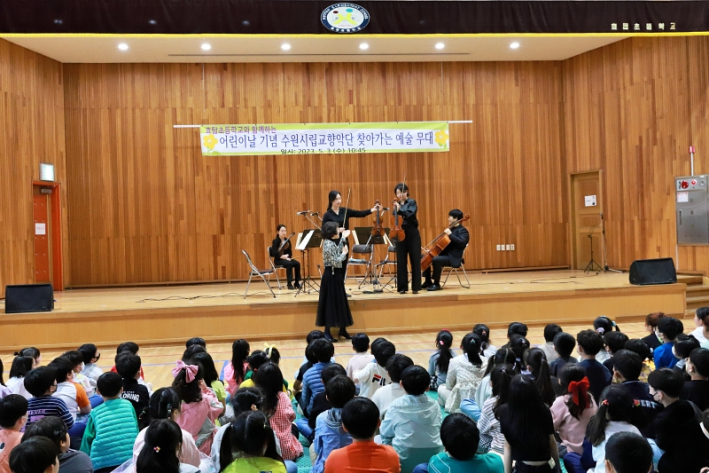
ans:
(83, 365)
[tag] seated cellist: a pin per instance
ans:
(452, 255)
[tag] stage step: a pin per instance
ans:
(697, 302)
(697, 291)
(690, 280)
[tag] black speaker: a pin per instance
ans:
(29, 298)
(653, 271)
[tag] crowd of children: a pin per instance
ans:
(624, 406)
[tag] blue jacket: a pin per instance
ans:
(312, 384)
(413, 423)
(110, 433)
(329, 436)
(664, 358)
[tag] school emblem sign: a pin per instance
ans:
(345, 18)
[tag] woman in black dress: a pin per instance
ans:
(284, 256)
(406, 209)
(341, 215)
(333, 309)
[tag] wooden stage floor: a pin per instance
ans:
(219, 312)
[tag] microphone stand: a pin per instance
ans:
(606, 269)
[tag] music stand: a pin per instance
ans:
(365, 234)
(307, 240)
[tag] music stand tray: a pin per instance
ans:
(307, 240)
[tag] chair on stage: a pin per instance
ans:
(275, 268)
(262, 273)
(388, 262)
(360, 255)
(459, 268)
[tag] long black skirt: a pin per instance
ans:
(333, 309)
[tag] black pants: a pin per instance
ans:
(438, 263)
(290, 267)
(411, 246)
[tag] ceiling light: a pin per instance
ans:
(153, 22)
(206, 47)
(440, 45)
(514, 45)
(285, 47)
(363, 46)
(123, 47)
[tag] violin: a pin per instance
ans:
(285, 244)
(396, 233)
(438, 244)
(377, 229)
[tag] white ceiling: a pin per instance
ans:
(308, 48)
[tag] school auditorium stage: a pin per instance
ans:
(219, 312)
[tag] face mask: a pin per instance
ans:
(83, 365)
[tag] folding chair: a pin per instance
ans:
(275, 268)
(365, 261)
(388, 262)
(462, 268)
(262, 273)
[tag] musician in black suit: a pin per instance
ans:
(452, 255)
(282, 254)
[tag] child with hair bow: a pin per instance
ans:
(572, 412)
(200, 406)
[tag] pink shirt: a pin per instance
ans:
(231, 385)
(281, 422)
(188, 454)
(194, 416)
(571, 430)
(357, 363)
(9, 439)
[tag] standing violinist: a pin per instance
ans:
(405, 209)
(341, 215)
(452, 255)
(282, 253)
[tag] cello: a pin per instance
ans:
(397, 233)
(438, 244)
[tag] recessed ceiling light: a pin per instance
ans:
(206, 47)
(363, 46)
(58, 21)
(153, 22)
(123, 47)
(246, 22)
(285, 47)
(440, 45)
(514, 45)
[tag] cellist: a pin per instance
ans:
(406, 209)
(452, 255)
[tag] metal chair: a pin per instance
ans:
(275, 268)
(387, 263)
(365, 261)
(462, 268)
(262, 273)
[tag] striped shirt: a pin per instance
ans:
(46, 406)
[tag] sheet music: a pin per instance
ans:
(303, 242)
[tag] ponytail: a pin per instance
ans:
(501, 357)
(226, 451)
(617, 405)
(162, 404)
(472, 347)
(159, 453)
(444, 341)
(500, 378)
(536, 359)
(482, 331)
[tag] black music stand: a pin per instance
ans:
(365, 234)
(314, 241)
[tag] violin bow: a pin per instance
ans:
(344, 221)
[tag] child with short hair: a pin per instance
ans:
(459, 435)
(386, 395)
(21, 365)
(196, 341)
(91, 357)
(13, 416)
(42, 383)
(329, 435)
(515, 328)
(163, 442)
(77, 360)
(440, 359)
(360, 419)
(638, 346)
(668, 328)
(36, 455)
(590, 343)
(374, 375)
(677, 428)
(70, 461)
(312, 380)
(413, 422)
(200, 406)
(627, 366)
(627, 452)
(360, 344)
(614, 341)
(684, 344)
(306, 425)
(112, 427)
(652, 341)
(564, 344)
(697, 389)
(73, 395)
(550, 332)
(128, 366)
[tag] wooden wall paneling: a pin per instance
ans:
(31, 114)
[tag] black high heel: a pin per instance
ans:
(328, 337)
(343, 334)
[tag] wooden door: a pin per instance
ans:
(586, 224)
(42, 243)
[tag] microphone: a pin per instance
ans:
(385, 208)
(314, 214)
(303, 212)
